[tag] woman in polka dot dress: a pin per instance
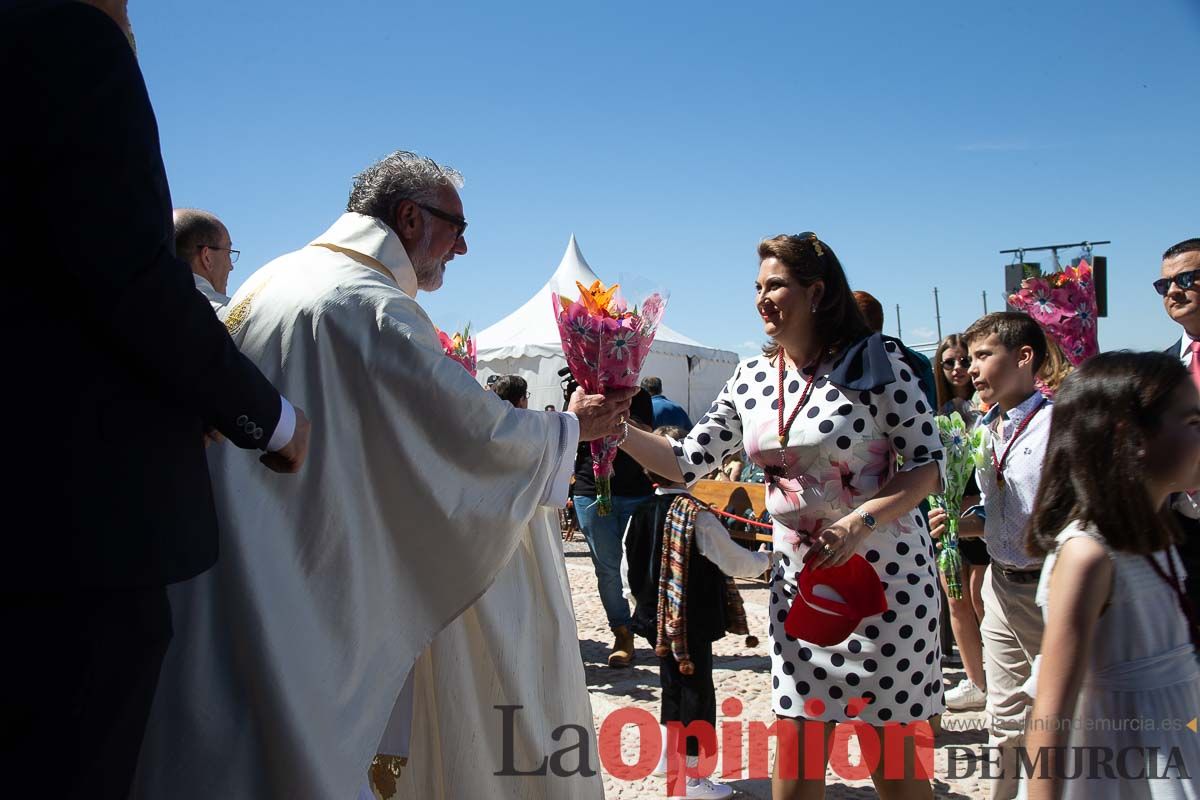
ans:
(827, 426)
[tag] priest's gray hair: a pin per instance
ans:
(379, 189)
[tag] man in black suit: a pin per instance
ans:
(1179, 286)
(117, 367)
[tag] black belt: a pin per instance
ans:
(1018, 575)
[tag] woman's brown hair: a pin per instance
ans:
(838, 320)
(945, 391)
(1093, 471)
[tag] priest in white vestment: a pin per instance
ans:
(290, 655)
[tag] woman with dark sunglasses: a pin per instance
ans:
(955, 392)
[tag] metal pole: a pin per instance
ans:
(985, 302)
(937, 310)
(1021, 251)
(898, 334)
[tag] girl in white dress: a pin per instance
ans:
(1118, 682)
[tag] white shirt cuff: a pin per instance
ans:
(715, 544)
(559, 486)
(286, 427)
(1187, 504)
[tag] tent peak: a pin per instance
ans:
(573, 256)
(572, 268)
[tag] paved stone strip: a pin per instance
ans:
(741, 672)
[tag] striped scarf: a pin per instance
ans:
(679, 534)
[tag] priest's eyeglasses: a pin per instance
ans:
(233, 254)
(459, 222)
(1184, 280)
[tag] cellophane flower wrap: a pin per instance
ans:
(605, 343)
(964, 452)
(1064, 304)
(461, 348)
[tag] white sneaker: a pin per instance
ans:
(704, 788)
(966, 697)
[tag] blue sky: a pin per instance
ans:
(917, 139)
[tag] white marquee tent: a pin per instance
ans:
(526, 343)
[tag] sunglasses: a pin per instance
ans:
(949, 363)
(459, 223)
(1184, 280)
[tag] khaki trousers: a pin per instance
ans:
(1012, 636)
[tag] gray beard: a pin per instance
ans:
(429, 273)
(429, 270)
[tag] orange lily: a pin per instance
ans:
(597, 298)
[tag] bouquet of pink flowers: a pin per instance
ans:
(605, 344)
(460, 347)
(1064, 304)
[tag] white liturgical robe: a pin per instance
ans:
(516, 647)
(289, 654)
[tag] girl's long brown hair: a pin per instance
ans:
(1093, 471)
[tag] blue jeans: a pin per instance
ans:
(603, 535)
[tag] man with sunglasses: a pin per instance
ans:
(203, 242)
(1179, 287)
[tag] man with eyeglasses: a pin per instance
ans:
(514, 389)
(1179, 287)
(413, 581)
(203, 242)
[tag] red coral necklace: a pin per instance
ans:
(784, 427)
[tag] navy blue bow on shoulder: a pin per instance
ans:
(865, 365)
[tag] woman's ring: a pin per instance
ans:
(828, 550)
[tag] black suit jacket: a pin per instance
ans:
(115, 362)
(1189, 547)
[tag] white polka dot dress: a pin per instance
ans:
(841, 451)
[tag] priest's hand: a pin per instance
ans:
(601, 415)
(291, 457)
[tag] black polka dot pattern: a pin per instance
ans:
(846, 440)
